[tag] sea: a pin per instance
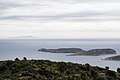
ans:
(19, 48)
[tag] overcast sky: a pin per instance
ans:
(60, 18)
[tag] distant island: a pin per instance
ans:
(24, 37)
(78, 51)
(47, 70)
(114, 58)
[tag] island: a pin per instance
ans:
(78, 51)
(113, 58)
(46, 70)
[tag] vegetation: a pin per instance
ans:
(47, 70)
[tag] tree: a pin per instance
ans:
(61, 66)
(16, 59)
(87, 66)
(94, 73)
(107, 68)
(111, 74)
(118, 70)
(24, 58)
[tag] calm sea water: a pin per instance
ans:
(10, 49)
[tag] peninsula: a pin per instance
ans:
(78, 51)
(113, 58)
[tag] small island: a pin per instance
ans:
(78, 51)
(113, 58)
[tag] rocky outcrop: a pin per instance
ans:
(78, 51)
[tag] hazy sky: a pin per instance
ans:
(60, 18)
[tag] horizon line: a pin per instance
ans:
(69, 39)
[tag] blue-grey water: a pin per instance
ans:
(10, 49)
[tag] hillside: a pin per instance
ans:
(47, 70)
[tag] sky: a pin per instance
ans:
(60, 19)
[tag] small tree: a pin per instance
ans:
(111, 74)
(88, 67)
(16, 59)
(118, 70)
(24, 58)
(107, 68)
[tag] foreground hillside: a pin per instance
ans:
(47, 70)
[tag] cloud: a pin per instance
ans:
(60, 10)
(79, 16)
(58, 17)
(52, 10)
